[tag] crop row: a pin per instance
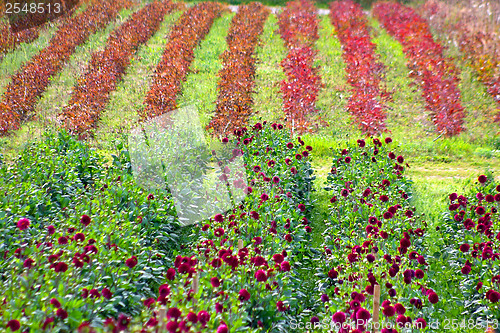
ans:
(9, 40)
(18, 102)
(298, 26)
(236, 78)
(106, 67)
(472, 234)
(95, 267)
(437, 75)
(242, 271)
(374, 243)
(479, 47)
(191, 28)
(362, 66)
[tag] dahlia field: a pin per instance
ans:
(297, 166)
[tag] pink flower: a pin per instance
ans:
(260, 276)
(285, 266)
(14, 325)
(85, 220)
(244, 295)
(215, 282)
(61, 313)
(51, 229)
(55, 303)
(23, 224)
(131, 262)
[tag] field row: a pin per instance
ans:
(436, 75)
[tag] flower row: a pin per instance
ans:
(373, 243)
(236, 78)
(472, 233)
(9, 40)
(90, 96)
(362, 66)
(298, 27)
(241, 272)
(436, 74)
(27, 85)
(478, 46)
(190, 29)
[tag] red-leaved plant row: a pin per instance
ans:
(236, 78)
(9, 40)
(298, 26)
(107, 67)
(21, 95)
(191, 28)
(362, 66)
(373, 240)
(436, 74)
(480, 48)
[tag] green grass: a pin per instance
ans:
(334, 95)
(268, 103)
(121, 114)
(58, 93)
(200, 87)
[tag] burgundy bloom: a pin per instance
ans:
(244, 295)
(466, 269)
(384, 198)
(222, 329)
(420, 323)
(61, 313)
(344, 192)
(85, 220)
(173, 313)
(23, 224)
(219, 232)
(285, 266)
(464, 247)
(339, 317)
(218, 218)
(480, 210)
(55, 303)
(419, 274)
(433, 297)
(14, 325)
(149, 302)
(361, 143)
(389, 311)
(260, 276)
(392, 155)
(388, 140)
(79, 237)
(400, 159)
(347, 159)
(106, 293)
(278, 258)
(388, 215)
(164, 290)
(131, 262)
(122, 322)
(170, 274)
(215, 282)
(28, 263)
(62, 240)
(61, 267)
(400, 309)
(482, 179)
(302, 207)
(363, 315)
(204, 317)
(51, 229)
(281, 306)
(192, 317)
(289, 145)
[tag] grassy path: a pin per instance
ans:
(200, 88)
(268, 103)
